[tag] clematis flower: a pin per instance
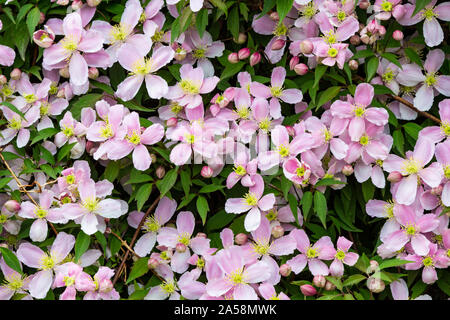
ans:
(443, 157)
(101, 287)
(386, 8)
(142, 68)
(33, 257)
(14, 282)
(69, 275)
(296, 171)
(18, 126)
(342, 257)
(267, 291)
(167, 289)
(438, 133)
(7, 56)
(399, 290)
(411, 75)
(253, 202)
(244, 169)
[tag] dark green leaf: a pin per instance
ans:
(11, 259)
(372, 66)
(139, 268)
(142, 195)
(320, 207)
(202, 207)
(167, 182)
(81, 244)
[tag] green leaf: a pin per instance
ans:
(244, 10)
(231, 69)
(372, 66)
(268, 5)
(33, 18)
(202, 207)
(4, 181)
(185, 181)
(392, 263)
(420, 4)
(327, 95)
(186, 200)
(412, 129)
(233, 22)
(11, 259)
(318, 73)
(413, 56)
(13, 108)
(328, 182)
(362, 54)
(167, 182)
(210, 188)
(392, 58)
(286, 185)
(64, 151)
(221, 5)
(307, 200)
(418, 289)
(44, 134)
(142, 195)
(354, 279)
(219, 220)
(201, 21)
(175, 29)
(293, 204)
(112, 170)
(9, 155)
(283, 7)
(81, 244)
(140, 268)
(85, 101)
(106, 88)
(320, 207)
(9, 14)
(336, 281)
(368, 189)
(23, 11)
(399, 141)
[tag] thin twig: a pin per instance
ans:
(124, 243)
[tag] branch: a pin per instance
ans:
(411, 106)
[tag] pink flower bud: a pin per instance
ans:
(3, 79)
(241, 238)
(437, 191)
(274, 16)
(242, 37)
(77, 4)
(319, 281)
(201, 235)
(160, 172)
(375, 285)
(233, 57)
(93, 3)
(15, 74)
(364, 4)
(306, 47)
(277, 231)
(152, 263)
(41, 18)
(373, 266)
(93, 73)
(347, 169)
(382, 30)
(206, 172)
(278, 44)
(329, 286)
(353, 64)
(44, 38)
(64, 72)
(255, 58)
(285, 270)
(12, 205)
(308, 290)
(172, 122)
(301, 69)
(62, 2)
(355, 40)
(290, 130)
(90, 145)
(397, 35)
(394, 177)
(180, 54)
(180, 247)
(244, 53)
(293, 62)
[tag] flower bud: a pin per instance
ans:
(373, 266)
(107, 230)
(355, 40)
(437, 191)
(93, 3)
(319, 281)
(180, 54)
(12, 205)
(90, 146)
(241, 238)
(171, 122)
(274, 16)
(160, 172)
(201, 235)
(242, 37)
(93, 73)
(306, 47)
(277, 231)
(255, 58)
(329, 286)
(308, 290)
(397, 35)
(153, 156)
(64, 72)
(353, 64)
(44, 38)
(394, 176)
(364, 4)
(15, 74)
(285, 270)
(347, 169)
(233, 57)
(301, 69)
(41, 18)
(375, 285)
(77, 4)
(365, 39)
(244, 53)
(290, 130)
(180, 247)
(278, 44)
(62, 2)
(293, 62)
(3, 79)
(152, 263)
(206, 172)
(382, 30)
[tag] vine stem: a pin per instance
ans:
(133, 240)
(22, 188)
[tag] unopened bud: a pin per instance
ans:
(308, 290)
(306, 47)
(241, 238)
(160, 172)
(12, 205)
(241, 38)
(180, 247)
(375, 285)
(3, 79)
(290, 130)
(277, 231)
(152, 263)
(90, 145)
(394, 177)
(62, 2)
(382, 30)
(293, 62)
(233, 57)
(329, 286)
(278, 44)
(373, 266)
(347, 170)
(93, 3)
(44, 38)
(41, 18)
(244, 53)
(93, 73)
(353, 64)
(172, 122)
(107, 230)
(201, 235)
(206, 172)
(301, 69)
(365, 39)
(397, 35)
(364, 4)
(64, 72)
(255, 58)
(180, 54)
(274, 16)
(319, 281)
(15, 74)
(355, 40)
(77, 4)
(285, 270)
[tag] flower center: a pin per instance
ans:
(388, 76)
(431, 79)
(276, 91)
(69, 44)
(261, 248)
(45, 108)
(199, 53)
(410, 230)
(165, 255)
(30, 98)
(90, 204)
(364, 140)
(119, 32)
(328, 135)
(68, 131)
(176, 108)
(379, 162)
(47, 262)
(272, 215)
(242, 112)
(15, 283)
(389, 210)
(7, 91)
(236, 277)
(447, 171)
(332, 52)
(341, 15)
(411, 166)
(142, 67)
(445, 128)
(70, 179)
(427, 262)
(189, 87)
(190, 138)
(359, 111)
(340, 255)
(265, 124)
(15, 124)
(184, 238)
(429, 14)
(312, 253)
(330, 38)
(157, 37)
(240, 170)
(283, 151)
(151, 224)
(300, 171)
(3, 218)
(250, 199)
(135, 138)
(69, 281)
(40, 213)
(280, 30)
(106, 131)
(309, 10)
(386, 6)
(168, 287)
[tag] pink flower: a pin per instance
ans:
(386, 8)
(267, 291)
(342, 257)
(101, 287)
(14, 282)
(7, 56)
(70, 275)
(244, 169)
(434, 133)
(399, 290)
(18, 126)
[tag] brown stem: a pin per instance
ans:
(411, 106)
(133, 240)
